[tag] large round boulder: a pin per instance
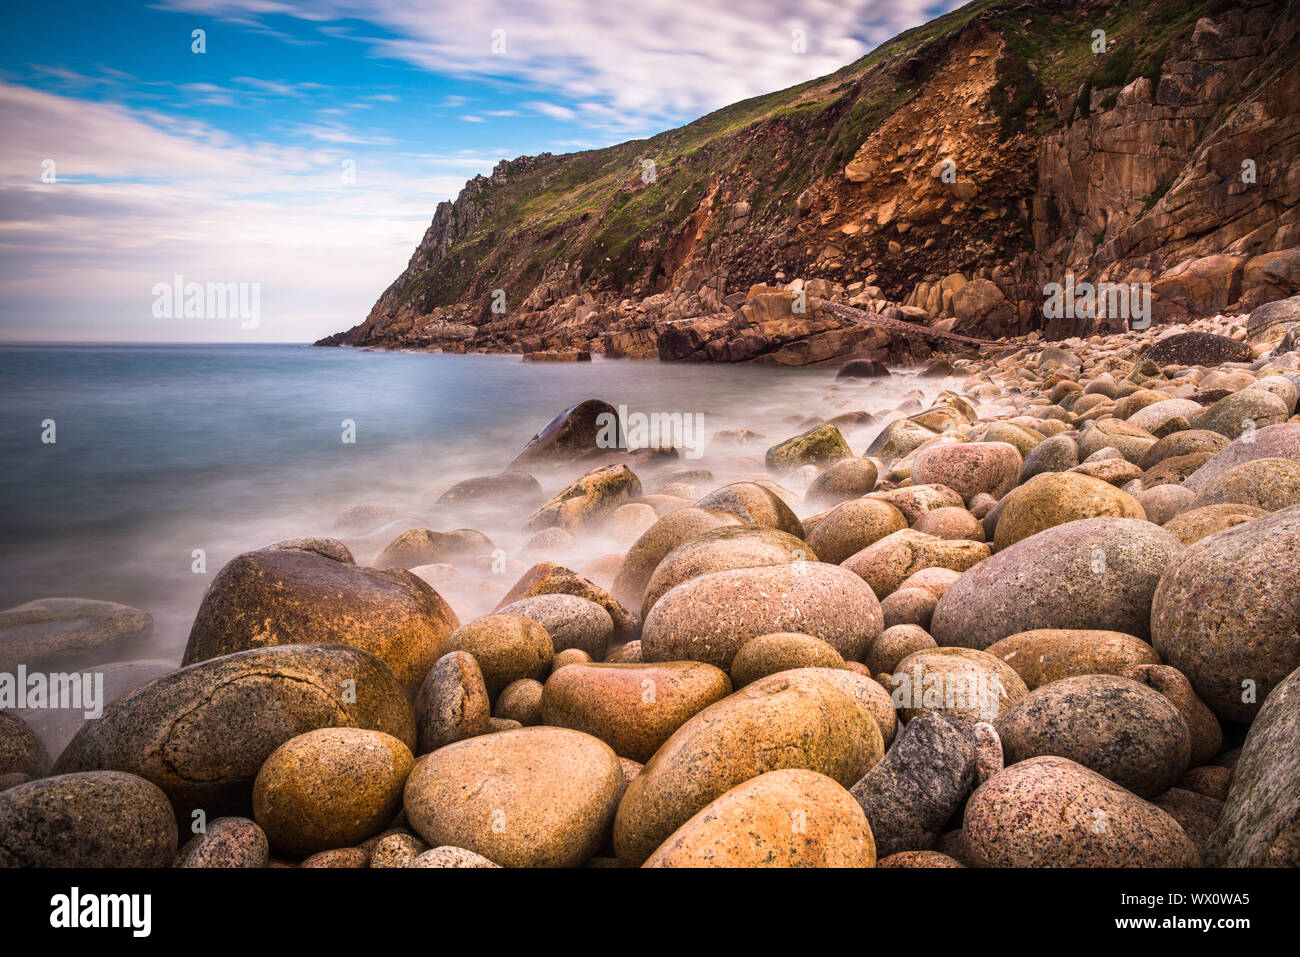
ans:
(708, 618)
(1050, 654)
(853, 525)
(964, 685)
(1096, 574)
(969, 468)
(1226, 610)
(1268, 484)
(1055, 498)
(886, 564)
(658, 540)
(289, 596)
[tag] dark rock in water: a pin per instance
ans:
(821, 445)
(287, 596)
(202, 733)
(570, 435)
(862, 369)
(78, 630)
(1198, 349)
(21, 751)
(513, 487)
(1260, 826)
(912, 793)
(96, 819)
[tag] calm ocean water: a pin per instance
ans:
(161, 450)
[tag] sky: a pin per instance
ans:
(287, 159)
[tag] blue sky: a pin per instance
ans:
(305, 150)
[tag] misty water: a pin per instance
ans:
(162, 450)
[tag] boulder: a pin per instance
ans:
(658, 540)
(781, 651)
(452, 703)
(963, 685)
(1050, 654)
(969, 468)
(575, 432)
(587, 501)
(818, 446)
(506, 647)
(1268, 484)
(54, 631)
(1055, 498)
(852, 526)
(571, 621)
(886, 564)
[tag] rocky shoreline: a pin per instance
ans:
(1042, 615)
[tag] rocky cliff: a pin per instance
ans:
(946, 179)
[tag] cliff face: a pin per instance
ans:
(945, 179)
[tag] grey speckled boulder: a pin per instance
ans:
(77, 630)
(1271, 442)
(1260, 826)
(1123, 730)
(1096, 573)
(21, 751)
(227, 842)
(202, 733)
(1051, 812)
(910, 795)
(572, 622)
(1226, 613)
(96, 819)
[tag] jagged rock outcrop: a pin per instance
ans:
(944, 180)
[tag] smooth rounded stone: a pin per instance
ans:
(338, 858)
(953, 524)
(1175, 470)
(868, 692)
(899, 438)
(820, 445)
(1209, 779)
(720, 550)
(424, 546)
(1115, 471)
(1056, 498)
(1203, 727)
(1243, 413)
(1226, 610)
(894, 644)
(1130, 441)
(961, 684)
(515, 488)
(91, 819)
(569, 656)
(1197, 523)
(969, 468)
(451, 857)
(520, 701)
(502, 724)
(753, 504)
(1280, 386)
(1123, 730)
(852, 526)
(915, 500)
(570, 435)
(201, 733)
(1051, 812)
(767, 654)
(452, 703)
(363, 519)
(532, 797)
(587, 501)
(1097, 574)
(21, 751)
(910, 795)
(847, 478)
(629, 522)
(506, 647)
(784, 818)
(710, 617)
(278, 596)
(547, 578)
(1024, 439)
(1195, 813)
(635, 707)
(627, 654)
(909, 606)
(1050, 654)
(1198, 349)
(886, 564)
(554, 542)
(1179, 444)
(50, 631)
(1156, 414)
(572, 622)
(1260, 824)
(793, 719)
(1268, 484)
(332, 787)
(935, 580)
(1058, 453)
(1103, 384)
(1270, 442)
(227, 842)
(657, 541)
(1164, 502)
(919, 859)
(1090, 403)
(396, 850)
(989, 759)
